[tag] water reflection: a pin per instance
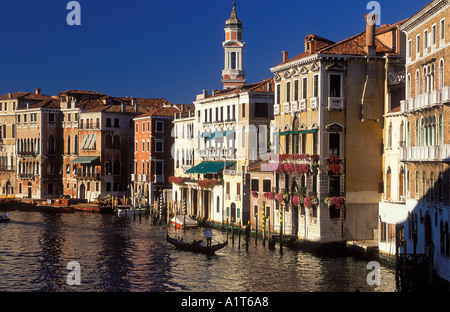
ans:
(117, 254)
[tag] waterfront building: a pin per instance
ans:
(153, 161)
(229, 132)
(422, 220)
(38, 149)
(329, 106)
(71, 104)
(8, 129)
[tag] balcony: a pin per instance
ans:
(87, 176)
(445, 94)
(294, 106)
(286, 107)
(426, 100)
(335, 103)
(159, 179)
(426, 153)
(26, 176)
(276, 109)
(303, 104)
(314, 102)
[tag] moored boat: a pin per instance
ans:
(195, 247)
(4, 219)
(183, 221)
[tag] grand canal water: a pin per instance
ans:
(131, 255)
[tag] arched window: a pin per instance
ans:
(116, 142)
(408, 87)
(116, 168)
(408, 134)
(441, 74)
(389, 143)
(68, 145)
(441, 130)
(417, 84)
(75, 143)
(108, 141)
(388, 184)
(424, 184)
(51, 145)
(50, 169)
(408, 183)
(416, 180)
(417, 138)
(401, 134)
(401, 187)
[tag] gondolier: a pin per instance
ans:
(208, 235)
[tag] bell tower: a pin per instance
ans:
(233, 75)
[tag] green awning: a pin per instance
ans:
(228, 132)
(198, 167)
(85, 160)
(294, 132)
(282, 133)
(204, 135)
(216, 166)
(308, 131)
(210, 167)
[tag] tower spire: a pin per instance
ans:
(233, 74)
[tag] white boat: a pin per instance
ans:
(180, 221)
(124, 212)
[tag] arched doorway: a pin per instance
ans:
(82, 194)
(233, 212)
(295, 191)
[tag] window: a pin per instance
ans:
(432, 189)
(159, 168)
(227, 191)
(416, 181)
(243, 111)
(334, 144)
(51, 118)
(305, 88)
(148, 126)
(278, 94)
(116, 123)
(261, 110)
(296, 90)
(51, 145)
(137, 128)
(442, 30)
(50, 189)
(433, 35)
(417, 44)
(159, 146)
(159, 126)
(388, 184)
(255, 185)
(409, 48)
(288, 91)
(335, 85)
(425, 40)
(267, 186)
(424, 184)
(233, 60)
(316, 86)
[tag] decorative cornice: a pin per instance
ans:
(425, 13)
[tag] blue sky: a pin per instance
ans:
(170, 49)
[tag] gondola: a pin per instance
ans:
(4, 219)
(195, 248)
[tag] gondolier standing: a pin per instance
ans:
(208, 235)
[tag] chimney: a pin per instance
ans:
(9, 96)
(37, 91)
(285, 56)
(370, 47)
(123, 107)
